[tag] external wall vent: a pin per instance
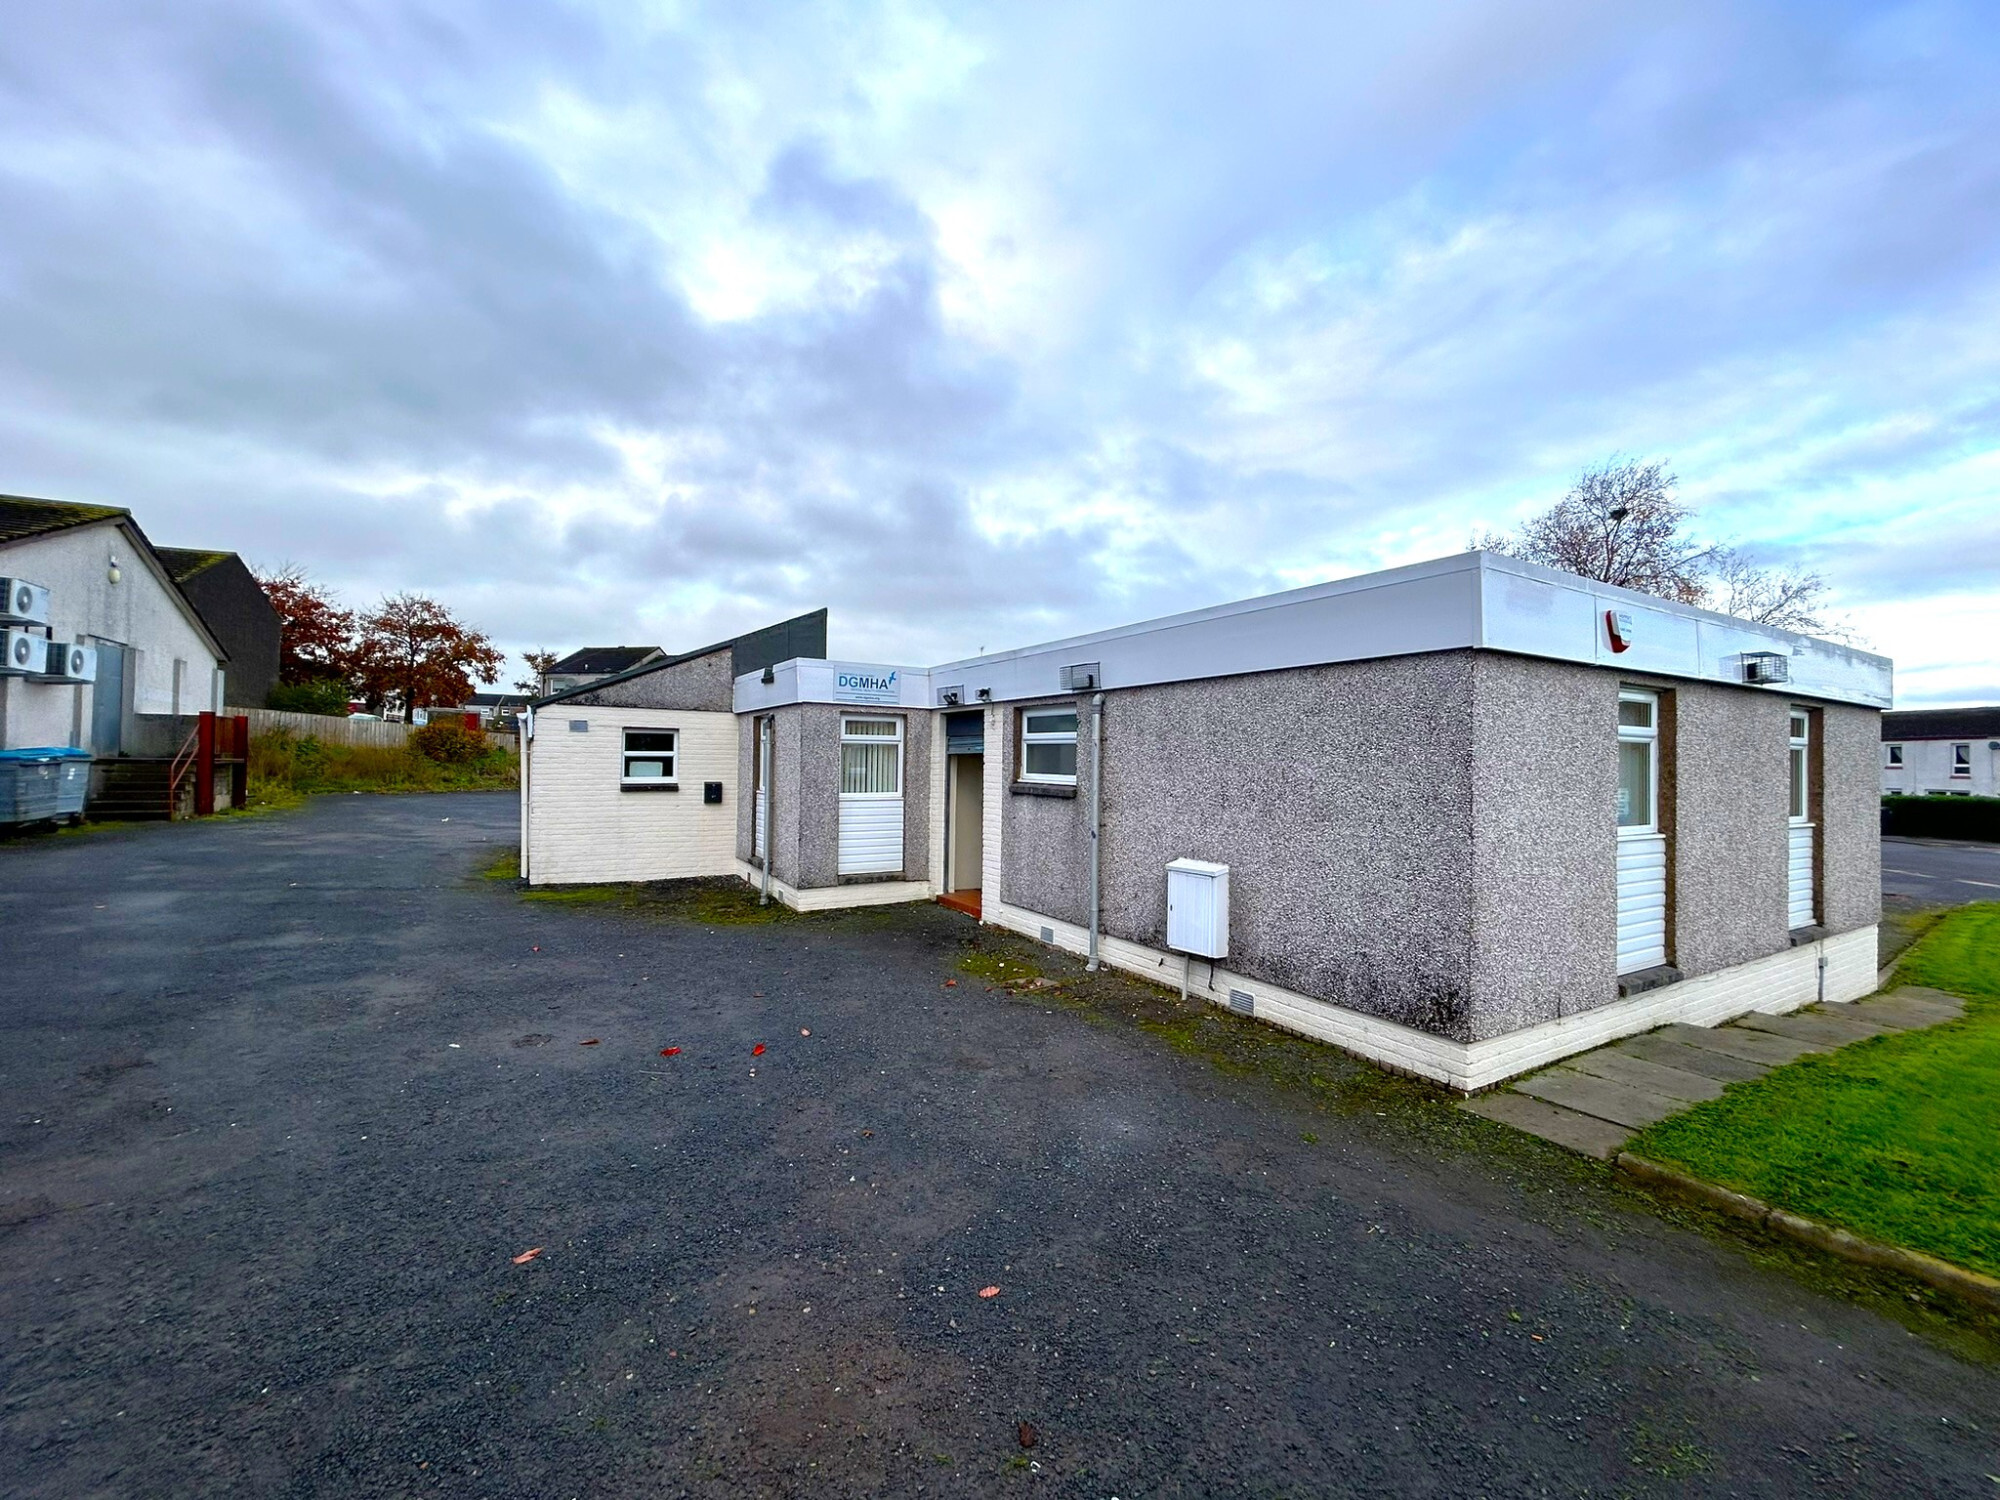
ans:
(579, 726)
(1084, 677)
(1766, 666)
(1049, 935)
(1242, 1003)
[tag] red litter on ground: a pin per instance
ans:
(527, 1255)
(989, 1291)
(758, 1050)
(805, 1031)
(589, 1042)
(670, 1052)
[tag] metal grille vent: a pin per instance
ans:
(1048, 934)
(1241, 1002)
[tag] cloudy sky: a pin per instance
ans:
(986, 323)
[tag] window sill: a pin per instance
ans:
(1642, 980)
(649, 786)
(1043, 789)
(1800, 936)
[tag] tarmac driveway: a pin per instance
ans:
(286, 1098)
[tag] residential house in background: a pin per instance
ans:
(595, 663)
(227, 595)
(1953, 751)
(498, 710)
(1464, 817)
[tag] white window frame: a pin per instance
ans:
(1798, 766)
(1961, 761)
(626, 756)
(1648, 736)
(1894, 762)
(1046, 737)
(896, 739)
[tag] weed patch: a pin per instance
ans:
(286, 769)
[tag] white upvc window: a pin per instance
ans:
(871, 757)
(1961, 760)
(1048, 745)
(1895, 757)
(649, 758)
(1638, 762)
(1801, 746)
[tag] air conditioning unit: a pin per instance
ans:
(66, 661)
(23, 603)
(1766, 666)
(1084, 677)
(23, 652)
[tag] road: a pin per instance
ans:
(1928, 872)
(289, 1099)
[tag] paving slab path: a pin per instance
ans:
(287, 1098)
(1596, 1101)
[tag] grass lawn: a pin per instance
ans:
(1897, 1138)
(285, 770)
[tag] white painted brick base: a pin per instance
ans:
(1781, 982)
(834, 897)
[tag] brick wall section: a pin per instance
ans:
(582, 827)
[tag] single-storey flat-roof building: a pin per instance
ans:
(1462, 817)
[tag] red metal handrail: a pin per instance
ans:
(183, 763)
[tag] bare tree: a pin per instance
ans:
(539, 662)
(1790, 599)
(1619, 523)
(1622, 523)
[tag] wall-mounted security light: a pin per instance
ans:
(769, 675)
(986, 695)
(112, 572)
(950, 697)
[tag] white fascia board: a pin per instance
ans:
(1429, 606)
(1535, 611)
(853, 684)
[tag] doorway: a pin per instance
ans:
(107, 701)
(965, 802)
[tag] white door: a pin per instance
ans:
(1799, 851)
(871, 796)
(1642, 848)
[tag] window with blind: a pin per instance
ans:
(871, 757)
(1048, 745)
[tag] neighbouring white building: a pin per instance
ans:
(107, 590)
(1953, 752)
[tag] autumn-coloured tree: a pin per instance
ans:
(411, 648)
(316, 635)
(539, 663)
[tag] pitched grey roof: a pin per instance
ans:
(1978, 723)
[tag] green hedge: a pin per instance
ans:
(1940, 817)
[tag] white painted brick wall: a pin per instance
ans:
(581, 827)
(1776, 984)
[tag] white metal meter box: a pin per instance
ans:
(1198, 908)
(22, 652)
(69, 662)
(23, 603)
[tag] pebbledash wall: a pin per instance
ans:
(1411, 778)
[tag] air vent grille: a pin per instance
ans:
(1242, 1003)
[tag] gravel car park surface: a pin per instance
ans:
(289, 1097)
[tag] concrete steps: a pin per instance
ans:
(1594, 1102)
(130, 791)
